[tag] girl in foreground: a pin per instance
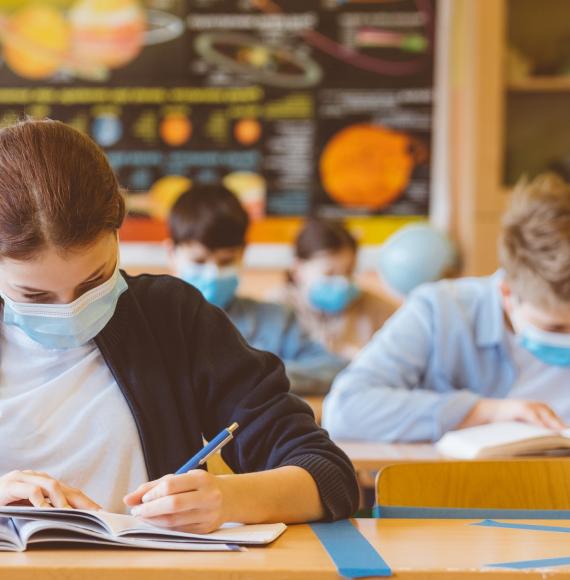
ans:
(109, 382)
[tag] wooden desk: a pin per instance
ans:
(370, 456)
(367, 456)
(414, 549)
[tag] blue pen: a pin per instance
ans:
(221, 439)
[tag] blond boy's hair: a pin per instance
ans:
(534, 247)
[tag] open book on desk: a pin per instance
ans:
(503, 440)
(23, 526)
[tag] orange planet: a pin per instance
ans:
(36, 40)
(366, 166)
(175, 129)
(247, 131)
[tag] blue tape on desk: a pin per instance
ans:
(351, 552)
(402, 512)
(526, 564)
(531, 527)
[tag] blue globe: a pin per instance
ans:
(414, 255)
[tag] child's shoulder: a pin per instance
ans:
(162, 291)
(469, 294)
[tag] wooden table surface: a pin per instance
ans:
(369, 456)
(415, 549)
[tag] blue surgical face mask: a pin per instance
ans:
(61, 326)
(217, 285)
(332, 294)
(552, 348)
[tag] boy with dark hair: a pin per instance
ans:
(208, 228)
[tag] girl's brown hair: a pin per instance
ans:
(56, 188)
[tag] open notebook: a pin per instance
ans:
(22, 526)
(503, 440)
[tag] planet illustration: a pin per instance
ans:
(87, 41)
(107, 33)
(175, 129)
(247, 131)
(250, 188)
(107, 129)
(367, 166)
(160, 198)
(36, 40)
(246, 55)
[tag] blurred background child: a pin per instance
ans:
(321, 289)
(208, 228)
(471, 351)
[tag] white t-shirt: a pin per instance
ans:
(537, 381)
(62, 412)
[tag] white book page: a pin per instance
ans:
(467, 443)
(119, 525)
(9, 538)
(27, 528)
(185, 546)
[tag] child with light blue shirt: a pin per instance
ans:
(466, 352)
(208, 228)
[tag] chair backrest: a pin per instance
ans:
(512, 484)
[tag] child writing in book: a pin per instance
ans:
(109, 383)
(473, 351)
(321, 290)
(208, 227)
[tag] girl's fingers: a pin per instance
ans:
(183, 520)
(50, 488)
(20, 490)
(79, 500)
(170, 504)
(135, 497)
(191, 481)
(41, 490)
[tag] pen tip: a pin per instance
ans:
(233, 427)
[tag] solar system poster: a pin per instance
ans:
(301, 107)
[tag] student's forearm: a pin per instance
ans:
(288, 494)
(376, 413)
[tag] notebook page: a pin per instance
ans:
(468, 442)
(70, 537)
(129, 526)
(89, 520)
(28, 528)
(50, 530)
(252, 534)
(9, 539)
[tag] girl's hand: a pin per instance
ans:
(190, 502)
(41, 490)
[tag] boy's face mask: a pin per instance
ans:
(332, 294)
(218, 285)
(61, 326)
(552, 348)
(325, 281)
